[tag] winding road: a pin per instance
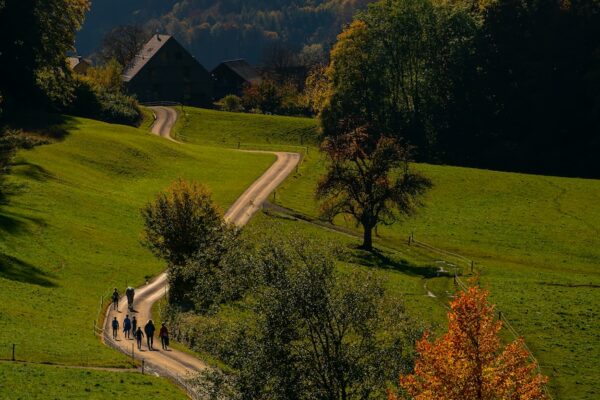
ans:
(173, 363)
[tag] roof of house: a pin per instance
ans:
(148, 51)
(75, 61)
(243, 69)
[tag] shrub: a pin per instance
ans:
(230, 103)
(94, 101)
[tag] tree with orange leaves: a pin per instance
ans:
(467, 363)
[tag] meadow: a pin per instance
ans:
(70, 231)
(535, 241)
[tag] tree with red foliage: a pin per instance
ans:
(467, 363)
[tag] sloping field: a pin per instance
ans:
(535, 241)
(70, 231)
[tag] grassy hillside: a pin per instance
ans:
(535, 240)
(252, 131)
(70, 231)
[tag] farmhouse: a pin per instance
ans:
(165, 71)
(232, 76)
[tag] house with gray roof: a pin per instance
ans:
(232, 76)
(165, 71)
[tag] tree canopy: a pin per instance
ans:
(35, 36)
(469, 362)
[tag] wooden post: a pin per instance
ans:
(472, 266)
(499, 314)
(132, 353)
(142, 367)
(455, 283)
(13, 352)
(409, 240)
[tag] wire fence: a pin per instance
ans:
(468, 263)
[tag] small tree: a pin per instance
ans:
(467, 364)
(370, 179)
(123, 43)
(182, 222)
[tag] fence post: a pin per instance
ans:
(142, 367)
(13, 352)
(472, 266)
(455, 282)
(409, 240)
(132, 353)
(499, 314)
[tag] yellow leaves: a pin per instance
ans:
(466, 363)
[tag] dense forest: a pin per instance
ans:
(225, 29)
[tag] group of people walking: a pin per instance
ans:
(131, 328)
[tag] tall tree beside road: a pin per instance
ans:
(182, 222)
(468, 362)
(370, 179)
(35, 36)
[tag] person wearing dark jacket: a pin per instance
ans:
(115, 299)
(134, 324)
(115, 326)
(138, 337)
(127, 327)
(164, 336)
(149, 331)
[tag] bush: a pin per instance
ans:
(231, 103)
(93, 101)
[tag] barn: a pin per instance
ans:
(165, 71)
(232, 76)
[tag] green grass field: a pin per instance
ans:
(70, 231)
(29, 381)
(535, 239)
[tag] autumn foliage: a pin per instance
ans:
(468, 362)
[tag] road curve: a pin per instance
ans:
(174, 363)
(164, 121)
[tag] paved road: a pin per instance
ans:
(164, 122)
(173, 361)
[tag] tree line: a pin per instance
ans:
(499, 84)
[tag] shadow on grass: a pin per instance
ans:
(13, 269)
(383, 260)
(13, 223)
(50, 126)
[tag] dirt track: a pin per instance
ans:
(175, 363)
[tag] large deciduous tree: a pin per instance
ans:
(321, 334)
(468, 362)
(35, 36)
(369, 178)
(391, 68)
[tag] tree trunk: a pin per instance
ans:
(367, 237)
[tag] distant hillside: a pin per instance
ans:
(215, 30)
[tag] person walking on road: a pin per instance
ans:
(115, 299)
(130, 293)
(149, 329)
(164, 336)
(127, 327)
(134, 325)
(115, 326)
(138, 337)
